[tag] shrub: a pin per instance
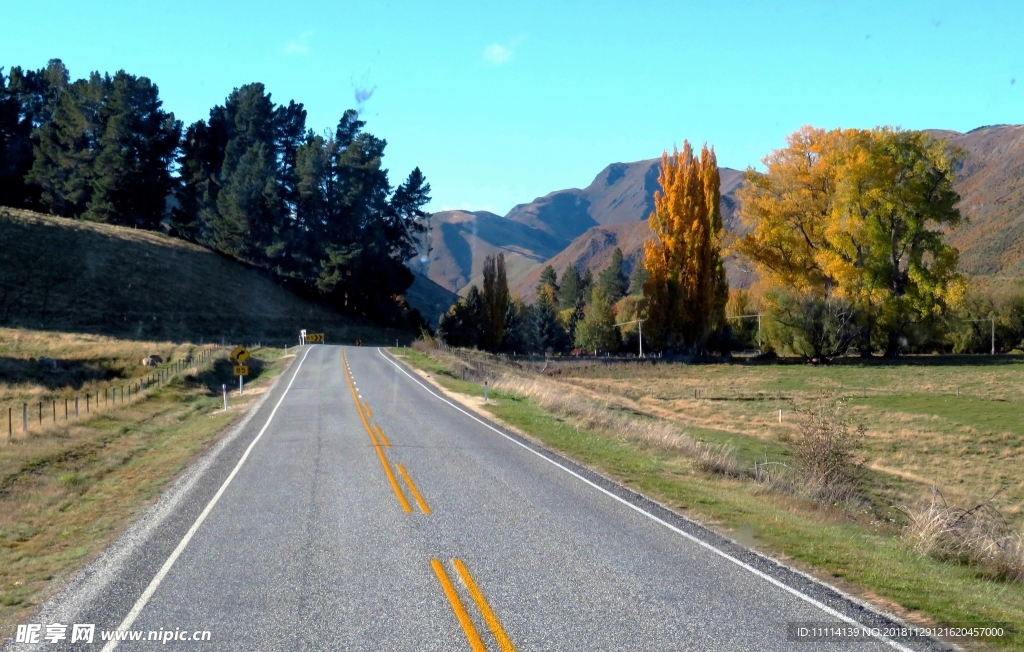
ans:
(824, 450)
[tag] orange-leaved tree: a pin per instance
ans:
(858, 216)
(686, 289)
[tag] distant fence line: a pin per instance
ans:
(35, 418)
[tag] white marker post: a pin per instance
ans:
(224, 390)
(485, 391)
(240, 385)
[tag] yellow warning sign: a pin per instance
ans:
(241, 370)
(240, 354)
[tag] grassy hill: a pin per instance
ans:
(60, 274)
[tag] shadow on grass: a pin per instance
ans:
(221, 373)
(66, 374)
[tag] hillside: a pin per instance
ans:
(461, 241)
(563, 221)
(67, 275)
(585, 225)
(991, 187)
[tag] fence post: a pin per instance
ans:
(65, 409)
(40, 414)
(55, 410)
(10, 424)
(87, 401)
(76, 407)
(24, 417)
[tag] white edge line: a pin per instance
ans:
(824, 607)
(140, 604)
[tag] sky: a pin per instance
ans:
(502, 102)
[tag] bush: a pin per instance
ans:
(824, 450)
(819, 329)
(976, 536)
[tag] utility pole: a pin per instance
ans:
(758, 315)
(640, 332)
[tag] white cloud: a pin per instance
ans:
(497, 53)
(298, 46)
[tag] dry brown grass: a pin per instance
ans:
(595, 417)
(978, 536)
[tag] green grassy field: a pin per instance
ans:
(918, 433)
(67, 489)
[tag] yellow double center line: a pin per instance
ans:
(460, 611)
(380, 453)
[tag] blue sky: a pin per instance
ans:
(501, 102)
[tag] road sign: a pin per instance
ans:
(315, 337)
(359, 342)
(240, 354)
(241, 370)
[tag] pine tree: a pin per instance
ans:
(549, 335)
(548, 278)
(686, 288)
(570, 292)
(612, 280)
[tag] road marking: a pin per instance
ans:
(412, 488)
(140, 604)
(460, 611)
(721, 553)
(376, 446)
(383, 439)
(369, 413)
(492, 621)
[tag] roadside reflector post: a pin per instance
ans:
(780, 416)
(240, 385)
(24, 417)
(224, 390)
(485, 391)
(10, 424)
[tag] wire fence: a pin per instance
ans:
(39, 416)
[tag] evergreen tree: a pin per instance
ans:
(131, 172)
(518, 331)
(586, 283)
(639, 277)
(570, 291)
(548, 278)
(612, 280)
(462, 324)
(27, 99)
(549, 335)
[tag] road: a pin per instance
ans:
(359, 510)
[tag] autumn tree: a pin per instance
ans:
(495, 299)
(686, 289)
(596, 331)
(858, 216)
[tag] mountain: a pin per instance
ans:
(583, 226)
(429, 298)
(991, 186)
(60, 274)
(531, 234)
(461, 240)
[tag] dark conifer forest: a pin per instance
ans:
(253, 181)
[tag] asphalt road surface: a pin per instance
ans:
(359, 510)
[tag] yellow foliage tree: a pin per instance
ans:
(686, 290)
(857, 215)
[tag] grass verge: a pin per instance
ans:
(856, 552)
(66, 493)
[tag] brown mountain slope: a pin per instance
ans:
(991, 187)
(461, 240)
(594, 250)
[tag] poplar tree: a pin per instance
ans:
(495, 298)
(686, 287)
